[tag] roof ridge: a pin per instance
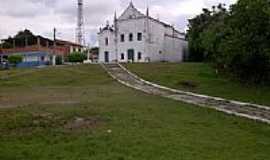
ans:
(131, 6)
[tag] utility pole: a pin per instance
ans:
(80, 24)
(54, 45)
(54, 34)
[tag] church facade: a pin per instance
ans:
(137, 37)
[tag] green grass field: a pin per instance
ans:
(201, 78)
(80, 113)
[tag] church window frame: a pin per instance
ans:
(122, 56)
(139, 55)
(139, 36)
(130, 37)
(122, 38)
(106, 41)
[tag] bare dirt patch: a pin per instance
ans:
(79, 123)
(31, 123)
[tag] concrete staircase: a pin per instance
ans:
(247, 110)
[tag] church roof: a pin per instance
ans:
(131, 12)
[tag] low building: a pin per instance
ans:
(137, 37)
(70, 47)
(94, 54)
(37, 50)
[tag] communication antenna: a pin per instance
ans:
(158, 18)
(80, 24)
(147, 3)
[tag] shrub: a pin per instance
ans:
(15, 59)
(77, 57)
(59, 60)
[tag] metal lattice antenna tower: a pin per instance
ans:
(80, 24)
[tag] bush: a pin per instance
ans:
(59, 60)
(254, 68)
(76, 57)
(15, 59)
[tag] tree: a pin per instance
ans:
(7, 44)
(20, 39)
(236, 41)
(202, 26)
(23, 34)
(245, 49)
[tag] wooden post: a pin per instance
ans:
(54, 40)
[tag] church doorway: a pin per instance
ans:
(106, 55)
(131, 55)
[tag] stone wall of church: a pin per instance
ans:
(166, 44)
(156, 41)
(127, 28)
(160, 42)
(109, 47)
(174, 49)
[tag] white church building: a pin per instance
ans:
(137, 37)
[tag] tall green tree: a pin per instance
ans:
(245, 48)
(237, 40)
(20, 38)
(202, 26)
(23, 34)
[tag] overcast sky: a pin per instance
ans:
(41, 16)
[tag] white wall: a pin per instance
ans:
(110, 48)
(133, 26)
(166, 43)
(156, 45)
(174, 49)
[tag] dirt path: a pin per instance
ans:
(247, 110)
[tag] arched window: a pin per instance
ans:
(122, 56)
(106, 41)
